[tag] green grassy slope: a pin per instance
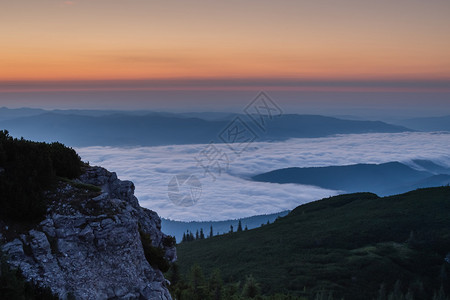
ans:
(348, 244)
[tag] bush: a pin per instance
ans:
(169, 241)
(154, 255)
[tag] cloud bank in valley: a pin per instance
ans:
(230, 195)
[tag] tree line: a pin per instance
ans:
(189, 236)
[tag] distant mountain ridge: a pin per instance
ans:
(427, 124)
(383, 179)
(103, 128)
(9, 114)
(177, 228)
(430, 166)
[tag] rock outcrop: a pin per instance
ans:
(90, 244)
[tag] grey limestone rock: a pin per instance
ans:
(90, 247)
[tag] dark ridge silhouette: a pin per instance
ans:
(384, 179)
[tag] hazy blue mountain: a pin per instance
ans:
(301, 126)
(8, 114)
(111, 130)
(431, 167)
(208, 116)
(177, 228)
(14, 113)
(98, 113)
(103, 128)
(383, 179)
(433, 181)
(427, 124)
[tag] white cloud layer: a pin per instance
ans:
(230, 195)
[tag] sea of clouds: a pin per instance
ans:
(227, 193)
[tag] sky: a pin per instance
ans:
(216, 54)
(227, 193)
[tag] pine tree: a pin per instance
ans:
(216, 285)
(246, 228)
(231, 228)
(197, 282)
(202, 235)
(184, 237)
(396, 294)
(382, 292)
(211, 232)
(251, 288)
(409, 295)
(443, 277)
(174, 275)
(239, 229)
(440, 295)
(197, 235)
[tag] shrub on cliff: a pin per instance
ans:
(154, 255)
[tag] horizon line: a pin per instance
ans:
(229, 84)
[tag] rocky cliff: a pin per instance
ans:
(94, 244)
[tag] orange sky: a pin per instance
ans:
(144, 39)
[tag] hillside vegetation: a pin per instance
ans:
(27, 170)
(356, 246)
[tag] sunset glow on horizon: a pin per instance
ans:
(322, 57)
(133, 40)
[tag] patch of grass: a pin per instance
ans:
(81, 186)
